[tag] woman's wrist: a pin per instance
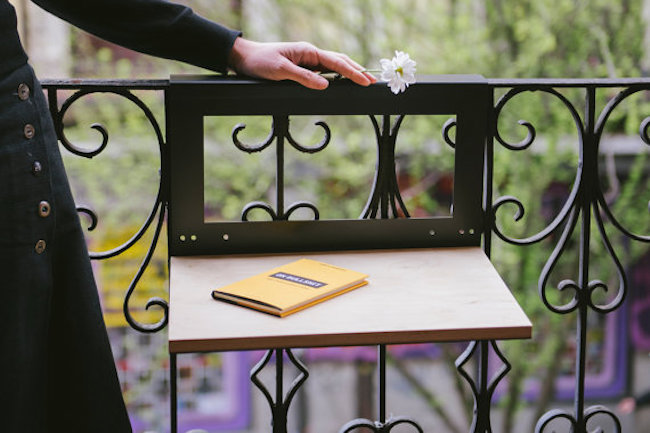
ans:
(238, 53)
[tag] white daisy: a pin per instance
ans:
(398, 72)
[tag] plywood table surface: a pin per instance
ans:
(413, 296)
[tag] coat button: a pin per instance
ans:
(40, 246)
(23, 91)
(29, 131)
(36, 168)
(43, 209)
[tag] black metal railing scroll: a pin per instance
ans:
(385, 195)
(280, 404)
(156, 217)
(584, 207)
(279, 133)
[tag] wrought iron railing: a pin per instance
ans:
(585, 206)
(584, 213)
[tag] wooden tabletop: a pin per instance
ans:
(413, 296)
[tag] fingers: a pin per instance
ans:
(342, 64)
(291, 71)
(359, 68)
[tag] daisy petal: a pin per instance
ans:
(398, 72)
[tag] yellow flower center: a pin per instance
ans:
(400, 70)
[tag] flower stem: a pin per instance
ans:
(337, 76)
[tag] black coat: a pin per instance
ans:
(56, 368)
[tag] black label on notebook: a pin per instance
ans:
(299, 280)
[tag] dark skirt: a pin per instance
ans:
(56, 368)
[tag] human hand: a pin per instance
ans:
(295, 61)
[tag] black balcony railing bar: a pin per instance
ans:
(584, 208)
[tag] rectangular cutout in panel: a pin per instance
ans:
(326, 166)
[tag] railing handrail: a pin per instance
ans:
(78, 83)
(162, 83)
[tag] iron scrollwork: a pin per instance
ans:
(483, 386)
(279, 133)
(280, 404)
(554, 415)
(380, 427)
(157, 212)
(385, 198)
(446, 128)
(585, 205)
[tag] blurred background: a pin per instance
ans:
(496, 38)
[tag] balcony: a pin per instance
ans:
(564, 220)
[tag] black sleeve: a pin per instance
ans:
(155, 27)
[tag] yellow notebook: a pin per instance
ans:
(291, 287)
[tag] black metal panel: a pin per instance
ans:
(189, 99)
